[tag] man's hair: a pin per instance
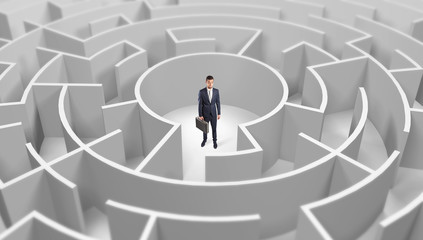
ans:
(209, 77)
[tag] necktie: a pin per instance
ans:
(209, 95)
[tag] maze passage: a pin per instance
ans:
(320, 134)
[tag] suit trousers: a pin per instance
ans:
(213, 120)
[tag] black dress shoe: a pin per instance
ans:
(215, 145)
(203, 143)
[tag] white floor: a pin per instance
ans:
(280, 166)
(335, 131)
(193, 153)
(96, 224)
(52, 147)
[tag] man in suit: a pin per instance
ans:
(208, 100)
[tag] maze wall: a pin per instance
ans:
(335, 152)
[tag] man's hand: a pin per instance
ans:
(218, 117)
(202, 118)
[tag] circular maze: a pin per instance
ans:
(320, 135)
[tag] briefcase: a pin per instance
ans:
(202, 125)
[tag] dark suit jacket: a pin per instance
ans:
(207, 108)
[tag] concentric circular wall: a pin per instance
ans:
(320, 130)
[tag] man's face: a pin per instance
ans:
(209, 83)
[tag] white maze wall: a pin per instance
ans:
(325, 95)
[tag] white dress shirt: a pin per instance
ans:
(210, 93)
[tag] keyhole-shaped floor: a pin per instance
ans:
(193, 153)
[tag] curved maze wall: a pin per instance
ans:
(87, 152)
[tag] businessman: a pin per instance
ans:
(208, 101)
